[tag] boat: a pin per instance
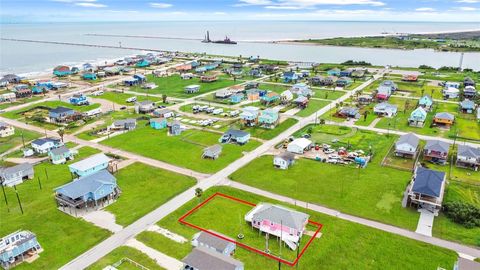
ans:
(227, 40)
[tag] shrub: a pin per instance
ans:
(463, 213)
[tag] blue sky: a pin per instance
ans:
(151, 10)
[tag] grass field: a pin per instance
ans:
(62, 236)
(367, 248)
(268, 134)
(5, 105)
(121, 98)
(140, 183)
(173, 86)
(125, 252)
(184, 150)
(7, 143)
(328, 94)
(313, 106)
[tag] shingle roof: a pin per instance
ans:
(445, 115)
(281, 215)
(236, 133)
(428, 182)
(467, 104)
(43, 141)
(214, 149)
(212, 240)
(90, 162)
(206, 259)
(123, 122)
(60, 110)
(410, 139)
(87, 184)
(17, 168)
(468, 151)
(287, 156)
(437, 145)
(60, 150)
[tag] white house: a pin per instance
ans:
(15, 175)
(224, 93)
(385, 109)
(450, 92)
(42, 146)
(407, 145)
(286, 96)
(6, 130)
(284, 160)
(299, 146)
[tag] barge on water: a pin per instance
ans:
(227, 40)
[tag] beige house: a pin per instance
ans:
(6, 130)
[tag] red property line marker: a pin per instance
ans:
(289, 263)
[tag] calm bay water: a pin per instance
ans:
(19, 57)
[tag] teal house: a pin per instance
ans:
(90, 165)
(158, 123)
(237, 98)
(89, 76)
(426, 102)
(62, 71)
(143, 63)
(417, 117)
(60, 155)
(268, 118)
(334, 72)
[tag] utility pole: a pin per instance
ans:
(39, 182)
(5, 197)
(18, 198)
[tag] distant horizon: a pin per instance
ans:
(249, 20)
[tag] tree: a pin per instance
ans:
(365, 114)
(61, 133)
(164, 98)
(44, 91)
(322, 121)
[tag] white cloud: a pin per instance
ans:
(425, 9)
(468, 1)
(161, 5)
(284, 7)
(467, 8)
(305, 4)
(73, 1)
(90, 5)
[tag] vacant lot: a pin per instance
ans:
(62, 236)
(339, 238)
(125, 252)
(313, 106)
(184, 150)
(139, 184)
(121, 98)
(7, 143)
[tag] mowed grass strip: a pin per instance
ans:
(9, 142)
(343, 245)
(184, 150)
(124, 252)
(139, 184)
(63, 237)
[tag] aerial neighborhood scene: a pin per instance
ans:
(240, 135)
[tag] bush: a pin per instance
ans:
(463, 213)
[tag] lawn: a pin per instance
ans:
(184, 150)
(328, 94)
(9, 142)
(139, 184)
(367, 248)
(267, 134)
(121, 98)
(62, 236)
(125, 252)
(173, 86)
(313, 106)
(19, 102)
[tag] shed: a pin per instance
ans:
(212, 152)
(299, 146)
(208, 240)
(202, 258)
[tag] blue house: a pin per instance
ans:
(417, 117)
(268, 118)
(174, 128)
(344, 81)
(62, 71)
(92, 191)
(60, 114)
(270, 97)
(60, 155)
(143, 63)
(78, 100)
(237, 98)
(334, 72)
(290, 76)
(346, 73)
(467, 106)
(16, 247)
(90, 76)
(235, 136)
(90, 165)
(158, 123)
(39, 89)
(426, 102)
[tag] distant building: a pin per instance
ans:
(158, 123)
(284, 160)
(386, 89)
(385, 109)
(145, 106)
(61, 71)
(268, 118)
(174, 128)
(467, 106)
(426, 102)
(299, 146)
(249, 116)
(191, 89)
(79, 99)
(210, 241)
(417, 117)
(290, 76)
(235, 136)
(61, 114)
(90, 165)
(123, 124)
(15, 175)
(6, 130)
(18, 247)
(212, 152)
(444, 119)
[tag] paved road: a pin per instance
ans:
(151, 218)
(370, 223)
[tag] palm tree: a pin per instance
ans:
(61, 133)
(164, 98)
(198, 192)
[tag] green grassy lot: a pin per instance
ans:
(173, 86)
(19, 102)
(368, 248)
(139, 184)
(125, 252)
(268, 134)
(120, 98)
(62, 236)
(9, 142)
(273, 87)
(184, 150)
(313, 106)
(328, 94)
(377, 191)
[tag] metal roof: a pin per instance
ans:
(17, 168)
(43, 141)
(410, 139)
(60, 150)
(468, 151)
(437, 145)
(236, 133)
(280, 215)
(202, 258)
(90, 162)
(428, 182)
(87, 184)
(60, 110)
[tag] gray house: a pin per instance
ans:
(205, 239)
(202, 258)
(436, 151)
(426, 189)
(407, 146)
(468, 157)
(124, 124)
(15, 175)
(146, 106)
(174, 128)
(212, 152)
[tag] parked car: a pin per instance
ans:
(123, 108)
(217, 111)
(328, 151)
(97, 93)
(131, 99)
